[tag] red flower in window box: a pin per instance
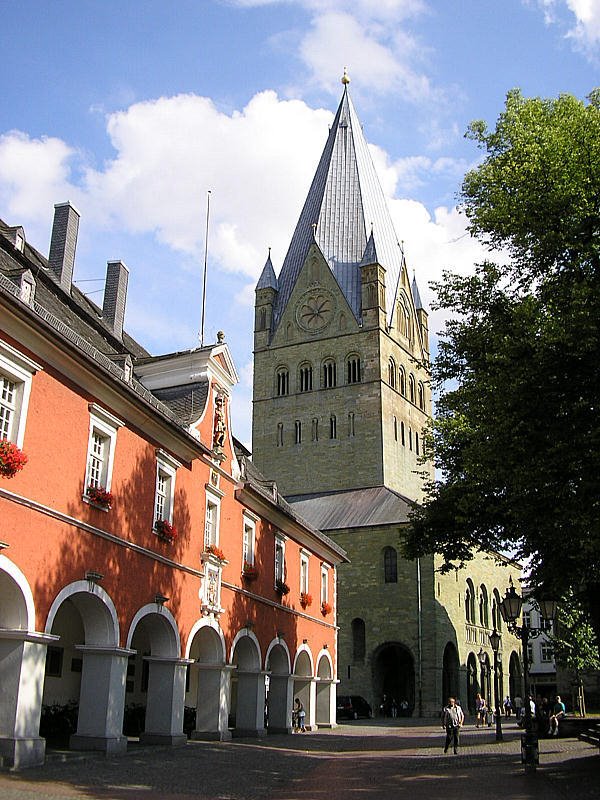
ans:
(99, 496)
(12, 459)
(325, 608)
(165, 530)
(249, 572)
(281, 587)
(305, 599)
(216, 552)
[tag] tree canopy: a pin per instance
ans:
(516, 438)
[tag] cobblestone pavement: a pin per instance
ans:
(376, 760)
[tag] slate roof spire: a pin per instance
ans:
(267, 278)
(345, 202)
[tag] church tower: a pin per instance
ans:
(341, 398)
(341, 391)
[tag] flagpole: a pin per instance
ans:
(205, 269)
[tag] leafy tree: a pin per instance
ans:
(573, 643)
(516, 438)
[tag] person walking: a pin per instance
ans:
(507, 707)
(452, 721)
(558, 712)
(480, 711)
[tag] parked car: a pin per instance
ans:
(353, 706)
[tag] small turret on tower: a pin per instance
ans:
(266, 295)
(373, 287)
(422, 316)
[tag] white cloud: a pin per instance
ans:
(585, 33)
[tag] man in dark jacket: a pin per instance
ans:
(452, 721)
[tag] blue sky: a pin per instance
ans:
(135, 110)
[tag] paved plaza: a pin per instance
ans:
(378, 759)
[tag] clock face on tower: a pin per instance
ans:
(314, 310)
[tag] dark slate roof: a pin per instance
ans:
(357, 508)
(268, 489)
(187, 401)
(267, 278)
(345, 202)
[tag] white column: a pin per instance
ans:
(250, 711)
(102, 700)
(165, 701)
(325, 703)
(281, 700)
(22, 667)
(212, 703)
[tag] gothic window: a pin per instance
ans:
(351, 424)
(402, 434)
(417, 443)
(421, 396)
(470, 602)
(403, 320)
(329, 374)
(395, 429)
(410, 447)
(496, 615)
(411, 388)
(353, 369)
(392, 373)
(402, 379)
(483, 606)
(280, 434)
(371, 295)
(315, 429)
(306, 378)
(332, 427)
(283, 381)
(262, 319)
(358, 639)
(390, 565)
(298, 430)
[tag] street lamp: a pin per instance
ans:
(510, 608)
(495, 640)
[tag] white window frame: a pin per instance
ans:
(105, 425)
(213, 500)
(248, 538)
(166, 467)
(19, 369)
(304, 571)
(279, 542)
(324, 583)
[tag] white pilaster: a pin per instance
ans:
(250, 712)
(212, 704)
(165, 701)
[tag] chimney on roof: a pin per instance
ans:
(115, 296)
(61, 259)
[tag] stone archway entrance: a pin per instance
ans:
(156, 676)
(450, 674)
(394, 675)
(248, 687)
(325, 696)
(208, 690)
(472, 682)
(279, 698)
(304, 686)
(22, 659)
(515, 677)
(89, 669)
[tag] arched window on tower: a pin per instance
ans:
(358, 639)
(402, 379)
(329, 374)
(421, 396)
(306, 377)
(411, 388)
(283, 381)
(333, 427)
(392, 373)
(353, 369)
(390, 565)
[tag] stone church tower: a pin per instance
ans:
(341, 398)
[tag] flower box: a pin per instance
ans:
(305, 599)
(99, 496)
(281, 587)
(165, 531)
(215, 551)
(249, 572)
(325, 609)
(12, 459)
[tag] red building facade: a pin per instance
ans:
(144, 561)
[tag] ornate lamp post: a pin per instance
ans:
(510, 608)
(495, 640)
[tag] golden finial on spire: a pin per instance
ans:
(345, 78)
